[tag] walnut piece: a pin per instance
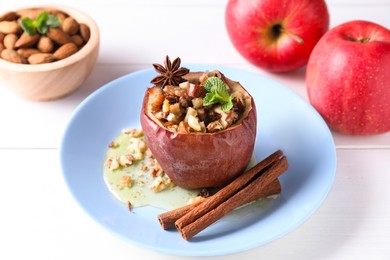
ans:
(113, 163)
(133, 132)
(126, 181)
(126, 160)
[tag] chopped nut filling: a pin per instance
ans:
(158, 184)
(197, 199)
(126, 181)
(126, 160)
(113, 145)
(137, 150)
(113, 163)
(133, 132)
(161, 183)
(182, 108)
(129, 206)
(156, 170)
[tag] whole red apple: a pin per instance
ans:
(198, 160)
(276, 35)
(348, 78)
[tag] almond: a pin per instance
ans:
(61, 16)
(27, 52)
(10, 16)
(70, 26)
(1, 47)
(25, 40)
(65, 51)
(78, 40)
(58, 36)
(45, 44)
(7, 27)
(41, 58)
(10, 40)
(12, 56)
(85, 32)
(1, 37)
(55, 12)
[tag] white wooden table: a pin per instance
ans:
(39, 219)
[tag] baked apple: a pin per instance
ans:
(200, 126)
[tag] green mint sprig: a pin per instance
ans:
(43, 22)
(217, 93)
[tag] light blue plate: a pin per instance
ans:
(285, 121)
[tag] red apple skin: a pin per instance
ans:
(250, 25)
(201, 160)
(348, 78)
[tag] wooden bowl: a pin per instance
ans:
(49, 81)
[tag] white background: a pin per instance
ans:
(40, 220)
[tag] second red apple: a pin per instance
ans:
(348, 79)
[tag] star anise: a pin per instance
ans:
(171, 74)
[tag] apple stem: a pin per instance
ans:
(293, 36)
(360, 40)
(364, 40)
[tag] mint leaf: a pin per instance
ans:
(208, 85)
(42, 29)
(217, 93)
(53, 21)
(41, 20)
(210, 99)
(227, 106)
(28, 25)
(213, 82)
(221, 93)
(41, 24)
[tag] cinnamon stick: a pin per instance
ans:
(167, 219)
(220, 205)
(228, 190)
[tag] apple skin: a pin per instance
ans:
(200, 160)
(276, 35)
(348, 78)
